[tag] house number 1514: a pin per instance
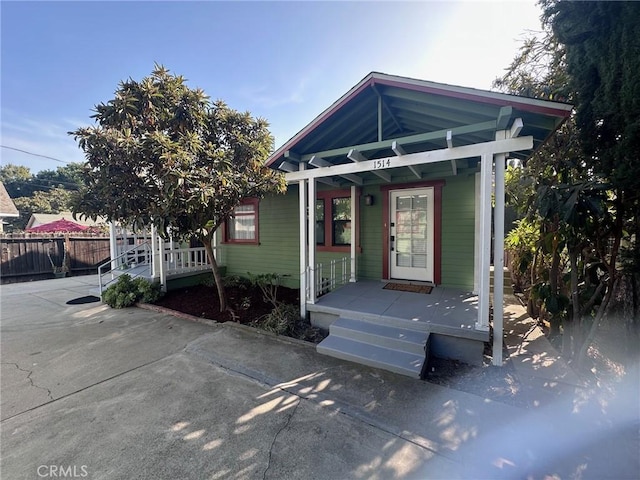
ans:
(381, 163)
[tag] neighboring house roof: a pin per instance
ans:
(7, 207)
(37, 219)
(56, 226)
(381, 108)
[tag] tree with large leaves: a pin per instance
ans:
(163, 154)
(562, 201)
(602, 43)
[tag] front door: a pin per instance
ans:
(411, 234)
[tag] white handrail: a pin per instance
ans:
(138, 254)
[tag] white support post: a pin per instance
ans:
(311, 202)
(302, 205)
(354, 228)
(486, 167)
(476, 238)
(163, 267)
(155, 263)
(498, 255)
(113, 245)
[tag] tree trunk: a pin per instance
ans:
(553, 285)
(222, 296)
(602, 308)
(572, 325)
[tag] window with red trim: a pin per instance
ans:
(242, 225)
(333, 220)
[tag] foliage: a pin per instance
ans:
(127, 291)
(236, 281)
(20, 182)
(282, 320)
(268, 284)
(16, 179)
(602, 41)
(568, 246)
(184, 162)
(55, 200)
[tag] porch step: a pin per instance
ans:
(410, 341)
(389, 348)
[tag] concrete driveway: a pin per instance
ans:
(91, 392)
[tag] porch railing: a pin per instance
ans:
(180, 260)
(328, 276)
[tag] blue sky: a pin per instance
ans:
(284, 61)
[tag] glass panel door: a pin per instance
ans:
(411, 230)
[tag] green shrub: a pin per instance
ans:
(127, 291)
(236, 281)
(268, 284)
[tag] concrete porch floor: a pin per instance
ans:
(444, 310)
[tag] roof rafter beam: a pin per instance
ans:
(408, 140)
(446, 102)
(399, 151)
(419, 158)
(287, 167)
(355, 156)
(386, 107)
(516, 128)
(322, 163)
(342, 124)
(440, 112)
(504, 115)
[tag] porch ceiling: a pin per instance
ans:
(417, 115)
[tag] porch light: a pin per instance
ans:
(368, 200)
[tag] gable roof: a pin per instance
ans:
(381, 108)
(7, 207)
(37, 219)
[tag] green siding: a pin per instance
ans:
(458, 224)
(278, 251)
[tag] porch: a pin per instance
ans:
(398, 330)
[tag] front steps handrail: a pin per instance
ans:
(133, 252)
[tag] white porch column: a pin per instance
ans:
(498, 255)
(155, 272)
(486, 167)
(302, 205)
(113, 245)
(354, 228)
(476, 238)
(311, 209)
(162, 266)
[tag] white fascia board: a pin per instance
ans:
(433, 156)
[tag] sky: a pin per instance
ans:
(282, 61)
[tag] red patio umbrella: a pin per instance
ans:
(57, 226)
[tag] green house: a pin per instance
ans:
(387, 227)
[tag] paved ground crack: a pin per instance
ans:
(275, 437)
(30, 372)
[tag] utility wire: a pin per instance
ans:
(34, 154)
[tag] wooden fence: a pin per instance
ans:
(27, 257)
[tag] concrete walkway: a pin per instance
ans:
(140, 394)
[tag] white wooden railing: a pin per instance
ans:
(328, 276)
(180, 260)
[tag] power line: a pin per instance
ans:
(34, 154)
